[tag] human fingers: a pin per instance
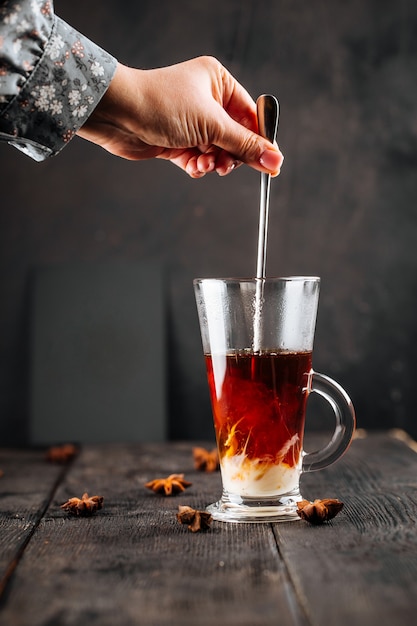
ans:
(239, 136)
(242, 144)
(187, 160)
(198, 165)
(226, 163)
(206, 161)
(196, 162)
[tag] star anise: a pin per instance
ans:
(319, 511)
(206, 460)
(61, 454)
(195, 520)
(170, 486)
(83, 506)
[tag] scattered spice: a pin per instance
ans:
(319, 511)
(61, 454)
(170, 486)
(206, 460)
(83, 506)
(195, 520)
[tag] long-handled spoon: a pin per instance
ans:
(268, 114)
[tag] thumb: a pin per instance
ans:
(249, 147)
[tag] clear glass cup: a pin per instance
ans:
(258, 337)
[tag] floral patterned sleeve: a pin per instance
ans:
(51, 77)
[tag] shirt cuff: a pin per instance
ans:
(60, 94)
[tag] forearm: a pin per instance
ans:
(51, 78)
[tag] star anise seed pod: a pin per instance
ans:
(170, 486)
(206, 460)
(61, 454)
(319, 511)
(83, 506)
(195, 520)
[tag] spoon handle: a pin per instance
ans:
(268, 113)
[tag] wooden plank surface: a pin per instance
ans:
(361, 568)
(133, 564)
(27, 483)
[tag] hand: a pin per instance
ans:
(194, 114)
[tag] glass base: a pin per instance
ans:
(233, 508)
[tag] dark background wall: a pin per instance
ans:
(344, 207)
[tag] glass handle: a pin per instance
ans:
(344, 413)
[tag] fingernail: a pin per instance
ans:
(195, 173)
(271, 160)
(192, 171)
(228, 169)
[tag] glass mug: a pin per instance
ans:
(257, 337)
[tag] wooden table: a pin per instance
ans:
(133, 563)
